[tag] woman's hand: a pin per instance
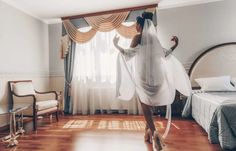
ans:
(116, 40)
(176, 40)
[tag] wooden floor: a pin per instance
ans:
(108, 133)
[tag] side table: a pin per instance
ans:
(18, 108)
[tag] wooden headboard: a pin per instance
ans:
(215, 61)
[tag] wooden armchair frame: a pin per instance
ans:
(33, 99)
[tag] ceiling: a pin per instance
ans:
(50, 11)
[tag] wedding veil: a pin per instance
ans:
(149, 74)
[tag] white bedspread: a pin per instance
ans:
(204, 106)
(214, 111)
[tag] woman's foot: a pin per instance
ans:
(158, 142)
(148, 136)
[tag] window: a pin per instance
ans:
(96, 59)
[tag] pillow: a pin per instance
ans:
(221, 83)
(23, 88)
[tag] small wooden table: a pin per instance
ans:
(17, 108)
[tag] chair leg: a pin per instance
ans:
(57, 115)
(50, 118)
(35, 121)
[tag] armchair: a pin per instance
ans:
(42, 102)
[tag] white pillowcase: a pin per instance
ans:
(221, 83)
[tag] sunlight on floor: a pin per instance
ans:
(110, 124)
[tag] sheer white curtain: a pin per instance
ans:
(94, 80)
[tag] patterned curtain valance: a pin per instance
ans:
(127, 31)
(106, 23)
(76, 35)
(102, 23)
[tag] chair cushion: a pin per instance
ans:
(23, 88)
(42, 105)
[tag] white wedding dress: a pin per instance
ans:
(146, 72)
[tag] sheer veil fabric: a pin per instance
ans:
(144, 71)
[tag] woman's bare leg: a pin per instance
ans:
(148, 134)
(148, 117)
(150, 124)
(146, 127)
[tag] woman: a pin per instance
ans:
(153, 85)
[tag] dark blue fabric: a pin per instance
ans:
(69, 68)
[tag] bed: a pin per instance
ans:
(214, 108)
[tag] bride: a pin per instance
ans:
(150, 73)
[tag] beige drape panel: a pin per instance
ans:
(65, 45)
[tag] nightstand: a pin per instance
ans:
(176, 107)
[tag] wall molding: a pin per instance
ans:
(51, 76)
(56, 74)
(186, 65)
(23, 75)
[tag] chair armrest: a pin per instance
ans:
(42, 96)
(46, 92)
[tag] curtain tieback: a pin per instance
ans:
(69, 85)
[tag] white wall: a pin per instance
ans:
(56, 63)
(24, 52)
(198, 27)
